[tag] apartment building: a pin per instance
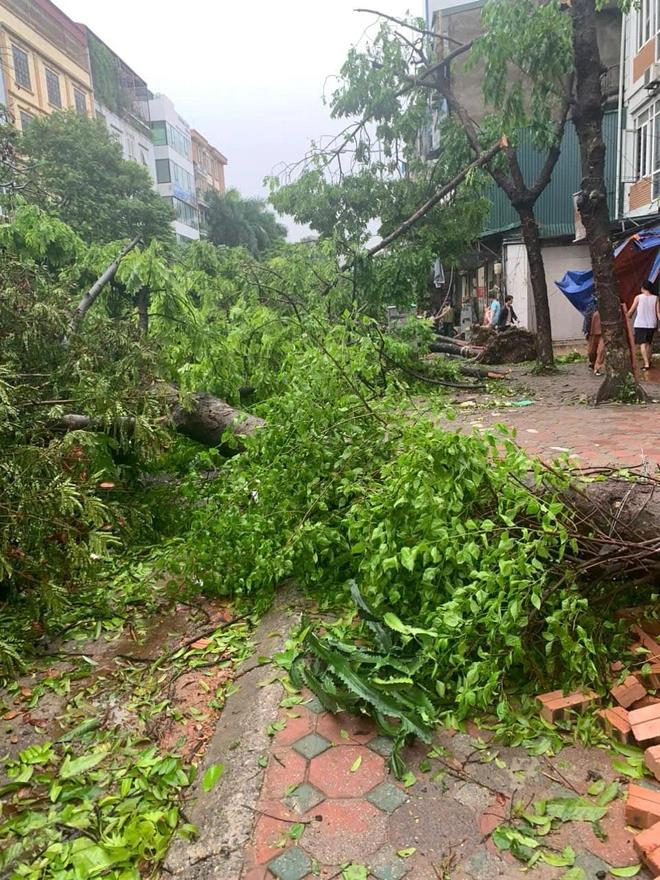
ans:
(175, 172)
(209, 165)
(121, 99)
(43, 60)
(639, 170)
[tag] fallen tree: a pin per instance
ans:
(201, 417)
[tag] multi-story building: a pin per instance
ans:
(44, 61)
(500, 256)
(121, 99)
(639, 169)
(175, 172)
(209, 164)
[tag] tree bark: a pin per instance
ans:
(203, 418)
(142, 302)
(620, 382)
(93, 293)
(532, 240)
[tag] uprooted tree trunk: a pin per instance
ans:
(201, 417)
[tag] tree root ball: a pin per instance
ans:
(511, 346)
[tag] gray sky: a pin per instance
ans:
(249, 76)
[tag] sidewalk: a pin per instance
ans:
(327, 781)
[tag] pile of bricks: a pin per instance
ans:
(633, 719)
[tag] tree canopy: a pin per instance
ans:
(80, 173)
(234, 221)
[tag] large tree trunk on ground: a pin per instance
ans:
(205, 418)
(620, 382)
(201, 417)
(530, 233)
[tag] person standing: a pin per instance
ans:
(646, 310)
(494, 307)
(507, 315)
(596, 350)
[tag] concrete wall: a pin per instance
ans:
(45, 40)
(566, 320)
(136, 145)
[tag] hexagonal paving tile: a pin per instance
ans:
(311, 745)
(347, 830)
(387, 797)
(346, 771)
(304, 798)
(393, 870)
(382, 745)
(314, 705)
(293, 864)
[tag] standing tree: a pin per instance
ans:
(234, 221)
(80, 173)
(387, 85)
(620, 382)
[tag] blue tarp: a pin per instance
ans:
(578, 286)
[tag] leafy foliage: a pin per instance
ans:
(80, 174)
(234, 221)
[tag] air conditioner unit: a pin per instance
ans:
(653, 83)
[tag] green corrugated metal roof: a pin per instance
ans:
(554, 209)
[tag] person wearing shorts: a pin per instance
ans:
(646, 310)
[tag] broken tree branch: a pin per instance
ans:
(444, 191)
(92, 294)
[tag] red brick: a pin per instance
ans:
(652, 860)
(547, 698)
(647, 841)
(629, 692)
(615, 721)
(652, 761)
(639, 616)
(554, 710)
(646, 724)
(646, 701)
(647, 642)
(642, 806)
(651, 678)
(641, 716)
(331, 771)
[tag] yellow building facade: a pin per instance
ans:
(44, 61)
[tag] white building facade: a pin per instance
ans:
(639, 170)
(175, 172)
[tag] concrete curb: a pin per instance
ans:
(225, 816)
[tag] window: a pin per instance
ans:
(21, 67)
(648, 21)
(159, 133)
(642, 143)
(130, 146)
(144, 152)
(185, 213)
(26, 119)
(647, 146)
(179, 141)
(182, 178)
(163, 171)
(80, 100)
(116, 135)
(53, 88)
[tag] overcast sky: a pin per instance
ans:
(249, 76)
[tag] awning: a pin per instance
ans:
(637, 259)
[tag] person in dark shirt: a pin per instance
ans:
(507, 315)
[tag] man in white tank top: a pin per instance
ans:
(646, 310)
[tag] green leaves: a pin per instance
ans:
(72, 767)
(211, 776)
